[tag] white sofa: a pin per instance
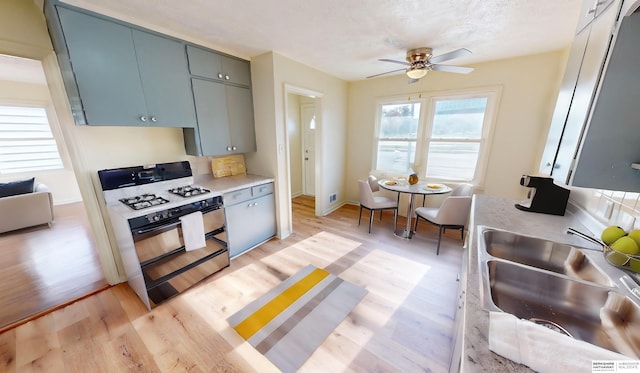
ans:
(26, 210)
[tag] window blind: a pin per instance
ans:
(26, 141)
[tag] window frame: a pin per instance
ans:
(425, 127)
(396, 100)
(56, 132)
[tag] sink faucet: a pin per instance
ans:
(588, 238)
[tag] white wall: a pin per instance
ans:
(270, 73)
(529, 87)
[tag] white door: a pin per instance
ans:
(308, 113)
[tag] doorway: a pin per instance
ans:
(301, 134)
(303, 125)
(53, 265)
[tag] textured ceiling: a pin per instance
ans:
(345, 38)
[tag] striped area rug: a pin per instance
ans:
(289, 322)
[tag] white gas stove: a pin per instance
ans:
(170, 232)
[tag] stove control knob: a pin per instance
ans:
(156, 217)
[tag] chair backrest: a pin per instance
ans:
(373, 183)
(465, 190)
(454, 210)
(366, 195)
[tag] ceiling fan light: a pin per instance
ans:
(416, 73)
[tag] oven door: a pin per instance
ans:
(167, 268)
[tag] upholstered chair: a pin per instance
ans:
(453, 213)
(375, 203)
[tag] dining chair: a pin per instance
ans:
(453, 213)
(373, 183)
(375, 203)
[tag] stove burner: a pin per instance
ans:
(143, 201)
(188, 191)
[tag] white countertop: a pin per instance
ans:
(217, 186)
(501, 213)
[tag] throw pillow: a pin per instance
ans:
(16, 187)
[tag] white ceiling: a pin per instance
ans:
(345, 38)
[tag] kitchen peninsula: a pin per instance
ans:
(501, 213)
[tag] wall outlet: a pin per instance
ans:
(333, 197)
(607, 209)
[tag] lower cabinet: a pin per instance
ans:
(458, 325)
(250, 215)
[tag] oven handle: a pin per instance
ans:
(163, 227)
(166, 225)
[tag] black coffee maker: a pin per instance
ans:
(544, 197)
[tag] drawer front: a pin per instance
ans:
(237, 196)
(261, 190)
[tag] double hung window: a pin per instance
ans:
(441, 137)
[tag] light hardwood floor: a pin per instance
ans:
(404, 323)
(42, 268)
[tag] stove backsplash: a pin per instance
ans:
(111, 179)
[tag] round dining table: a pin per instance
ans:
(423, 188)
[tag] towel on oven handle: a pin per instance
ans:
(193, 231)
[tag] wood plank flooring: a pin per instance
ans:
(404, 323)
(43, 267)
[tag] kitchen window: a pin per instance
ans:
(443, 137)
(27, 143)
(398, 125)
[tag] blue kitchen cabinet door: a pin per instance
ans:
(125, 76)
(611, 140)
(211, 65)
(225, 120)
(212, 134)
(165, 80)
(105, 66)
(250, 223)
(242, 129)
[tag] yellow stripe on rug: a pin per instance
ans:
(256, 321)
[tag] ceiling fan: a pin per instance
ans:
(420, 61)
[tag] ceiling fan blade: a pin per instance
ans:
(395, 61)
(388, 72)
(451, 55)
(452, 69)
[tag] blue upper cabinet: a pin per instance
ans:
(123, 76)
(206, 64)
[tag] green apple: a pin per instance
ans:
(611, 234)
(635, 234)
(626, 245)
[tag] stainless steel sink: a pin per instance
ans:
(543, 254)
(529, 278)
(553, 301)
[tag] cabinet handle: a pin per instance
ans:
(234, 148)
(144, 118)
(226, 77)
(154, 119)
(219, 75)
(228, 148)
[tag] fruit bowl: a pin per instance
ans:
(621, 260)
